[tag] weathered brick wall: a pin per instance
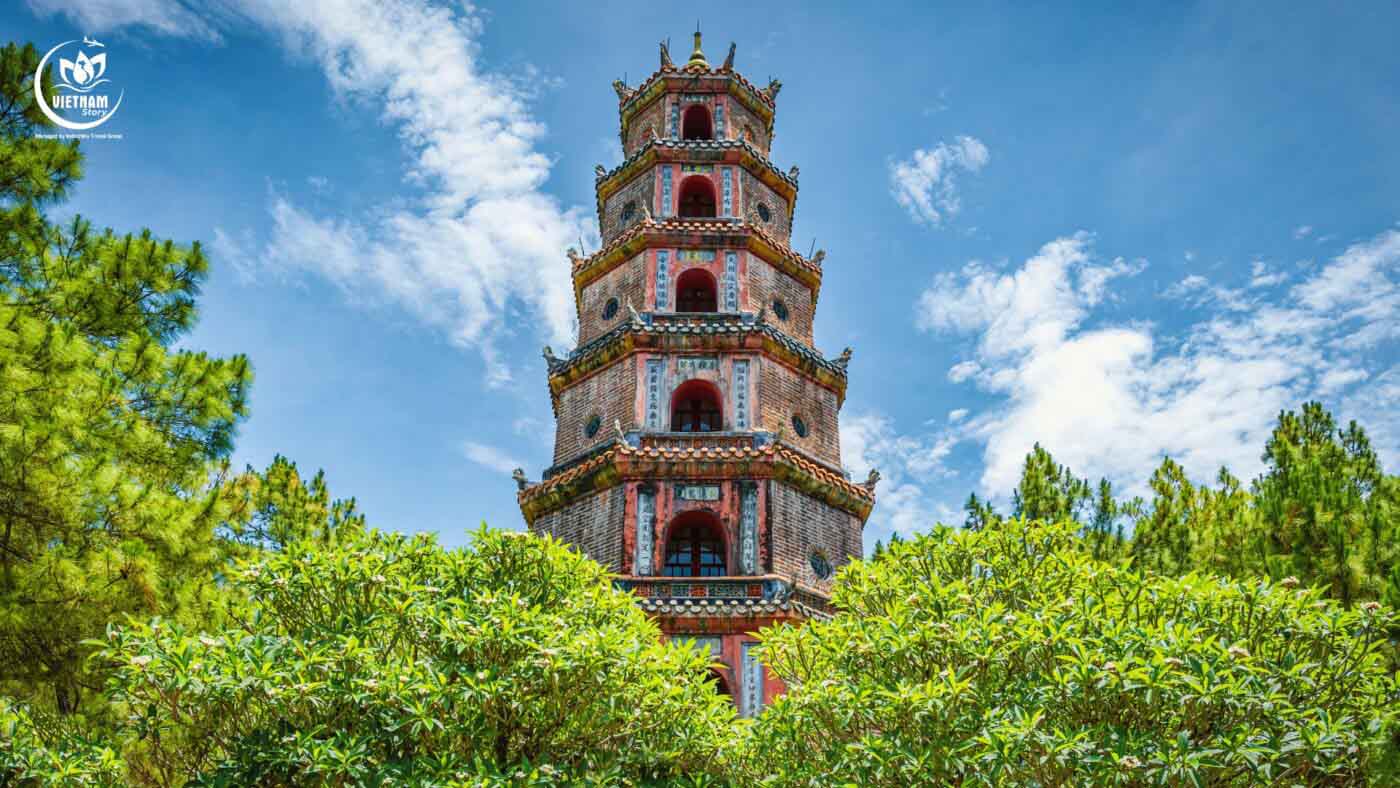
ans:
(639, 130)
(611, 393)
(639, 190)
(800, 524)
(627, 281)
(767, 284)
(756, 191)
(747, 126)
(781, 393)
(593, 524)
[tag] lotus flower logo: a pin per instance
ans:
(82, 73)
(77, 102)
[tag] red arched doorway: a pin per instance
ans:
(697, 291)
(695, 124)
(695, 547)
(696, 407)
(697, 198)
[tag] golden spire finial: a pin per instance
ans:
(697, 58)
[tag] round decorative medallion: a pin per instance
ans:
(595, 423)
(821, 567)
(610, 309)
(764, 213)
(799, 426)
(780, 309)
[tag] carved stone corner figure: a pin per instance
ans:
(600, 170)
(521, 482)
(772, 90)
(762, 315)
(646, 211)
(793, 172)
(550, 360)
(844, 359)
(632, 310)
(655, 135)
(617, 431)
(623, 92)
(728, 59)
(819, 257)
(573, 255)
(666, 63)
(871, 480)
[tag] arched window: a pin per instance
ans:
(696, 291)
(695, 547)
(697, 198)
(696, 123)
(721, 685)
(695, 407)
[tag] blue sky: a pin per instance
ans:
(1121, 232)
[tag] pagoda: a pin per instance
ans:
(697, 453)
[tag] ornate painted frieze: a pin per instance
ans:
(675, 120)
(666, 190)
(725, 209)
(689, 366)
(719, 120)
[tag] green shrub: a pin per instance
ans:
(381, 659)
(1007, 656)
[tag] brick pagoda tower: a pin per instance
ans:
(696, 452)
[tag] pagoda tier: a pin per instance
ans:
(697, 448)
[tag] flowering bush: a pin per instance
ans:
(1007, 656)
(382, 659)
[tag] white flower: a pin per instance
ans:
(1370, 607)
(1289, 582)
(141, 661)
(208, 642)
(1129, 762)
(1238, 652)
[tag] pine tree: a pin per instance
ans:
(1323, 499)
(1049, 491)
(112, 442)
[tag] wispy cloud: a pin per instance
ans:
(479, 239)
(926, 182)
(167, 17)
(490, 457)
(1110, 400)
(870, 441)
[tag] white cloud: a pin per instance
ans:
(490, 457)
(1260, 275)
(168, 17)
(1302, 231)
(955, 416)
(963, 370)
(869, 441)
(480, 239)
(926, 183)
(1110, 400)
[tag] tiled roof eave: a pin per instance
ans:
(623, 339)
(623, 462)
(640, 96)
(648, 233)
(604, 181)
